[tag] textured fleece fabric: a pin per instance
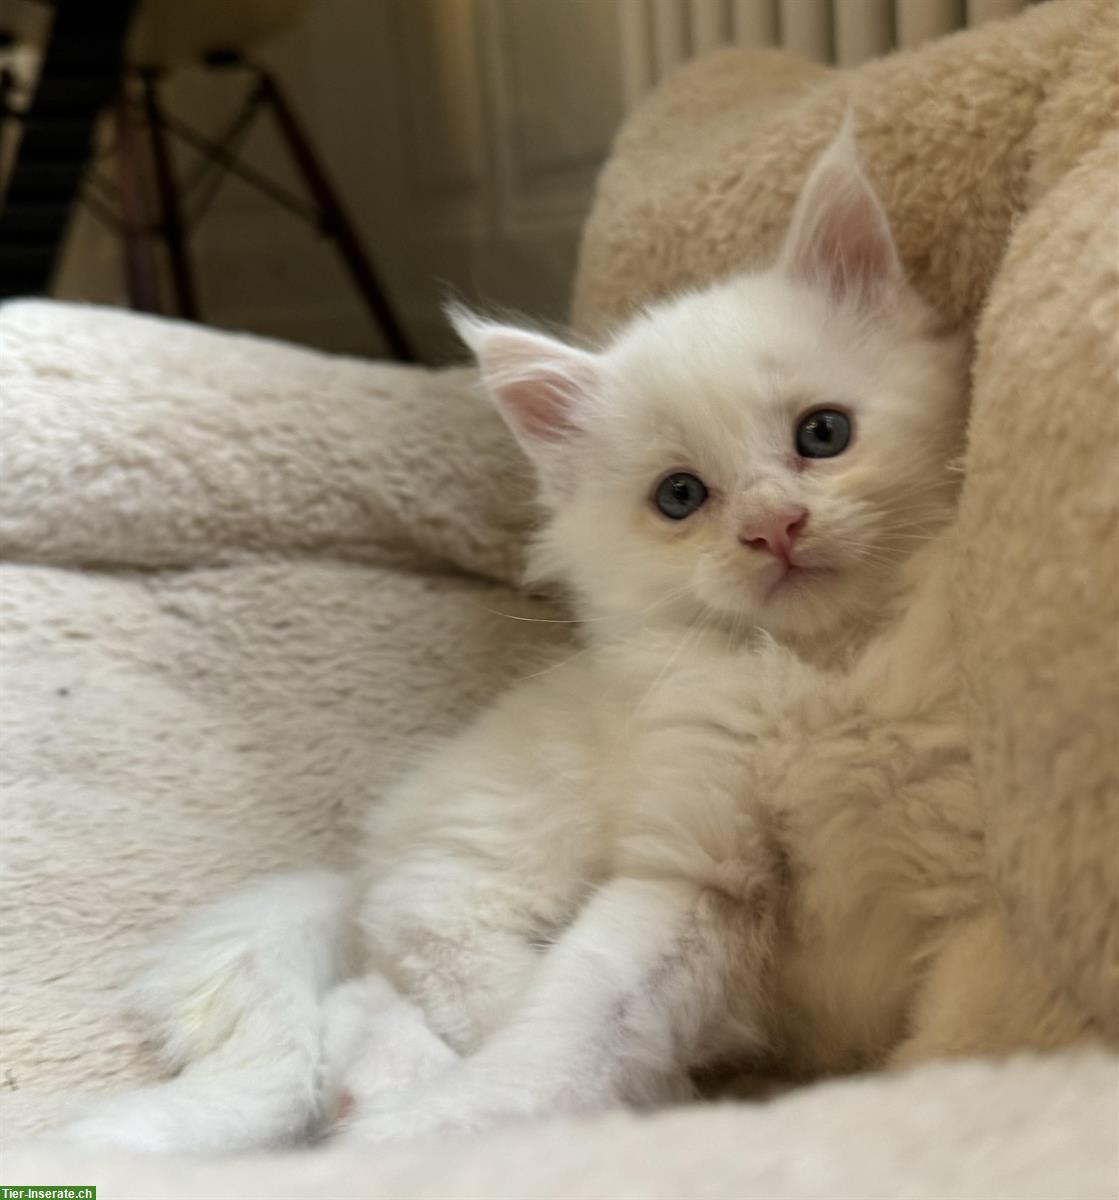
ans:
(243, 586)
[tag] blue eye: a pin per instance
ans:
(823, 433)
(679, 495)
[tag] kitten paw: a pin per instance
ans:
(463, 1102)
(375, 1044)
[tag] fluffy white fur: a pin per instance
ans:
(736, 829)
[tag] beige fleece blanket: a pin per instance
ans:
(243, 584)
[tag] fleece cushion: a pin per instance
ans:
(201, 700)
(1027, 1129)
(243, 586)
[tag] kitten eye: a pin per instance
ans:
(679, 495)
(823, 433)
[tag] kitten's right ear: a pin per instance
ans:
(541, 386)
(839, 236)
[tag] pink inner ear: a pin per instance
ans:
(539, 407)
(840, 235)
(854, 250)
(539, 383)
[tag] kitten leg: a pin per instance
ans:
(375, 1043)
(461, 939)
(981, 996)
(653, 978)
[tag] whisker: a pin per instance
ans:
(494, 612)
(554, 666)
(618, 616)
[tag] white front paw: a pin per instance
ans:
(434, 1111)
(375, 1043)
(466, 1101)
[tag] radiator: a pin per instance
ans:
(661, 34)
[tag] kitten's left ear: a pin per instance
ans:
(541, 386)
(840, 235)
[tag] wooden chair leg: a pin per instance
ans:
(337, 224)
(140, 268)
(171, 218)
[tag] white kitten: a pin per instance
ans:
(738, 829)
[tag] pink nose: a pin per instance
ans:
(775, 532)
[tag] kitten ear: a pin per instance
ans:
(540, 385)
(840, 235)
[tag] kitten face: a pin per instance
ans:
(762, 453)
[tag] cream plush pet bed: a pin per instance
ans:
(244, 583)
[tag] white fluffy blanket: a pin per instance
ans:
(242, 585)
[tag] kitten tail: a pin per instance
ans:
(235, 999)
